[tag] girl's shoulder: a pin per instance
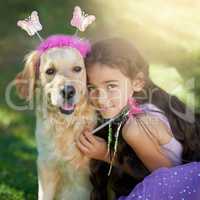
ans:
(149, 124)
(154, 111)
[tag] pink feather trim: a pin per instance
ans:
(134, 108)
(82, 45)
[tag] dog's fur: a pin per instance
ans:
(63, 171)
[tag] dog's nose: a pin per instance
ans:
(68, 92)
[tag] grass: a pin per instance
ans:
(18, 177)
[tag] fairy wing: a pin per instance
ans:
(34, 19)
(31, 25)
(24, 24)
(81, 20)
(87, 21)
(77, 17)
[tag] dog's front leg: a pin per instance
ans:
(48, 179)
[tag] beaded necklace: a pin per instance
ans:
(132, 109)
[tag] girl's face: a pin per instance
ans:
(109, 89)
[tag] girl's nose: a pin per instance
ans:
(102, 98)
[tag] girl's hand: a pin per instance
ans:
(92, 146)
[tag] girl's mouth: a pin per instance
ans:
(103, 109)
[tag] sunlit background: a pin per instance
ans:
(166, 32)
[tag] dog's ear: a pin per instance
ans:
(25, 81)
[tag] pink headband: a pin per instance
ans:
(82, 45)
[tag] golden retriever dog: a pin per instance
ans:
(55, 75)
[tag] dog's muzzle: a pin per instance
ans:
(68, 94)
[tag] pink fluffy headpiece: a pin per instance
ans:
(82, 45)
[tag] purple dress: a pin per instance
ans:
(177, 183)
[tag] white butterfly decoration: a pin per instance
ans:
(80, 20)
(31, 24)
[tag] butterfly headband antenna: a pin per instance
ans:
(80, 20)
(31, 25)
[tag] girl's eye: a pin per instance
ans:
(51, 71)
(91, 88)
(111, 86)
(77, 69)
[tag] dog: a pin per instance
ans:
(56, 78)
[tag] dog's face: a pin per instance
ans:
(62, 78)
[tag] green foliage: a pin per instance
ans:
(18, 160)
(7, 192)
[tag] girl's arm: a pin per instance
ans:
(146, 135)
(95, 147)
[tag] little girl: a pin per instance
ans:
(143, 135)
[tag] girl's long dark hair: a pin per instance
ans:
(121, 54)
(183, 122)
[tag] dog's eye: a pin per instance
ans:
(77, 69)
(50, 71)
